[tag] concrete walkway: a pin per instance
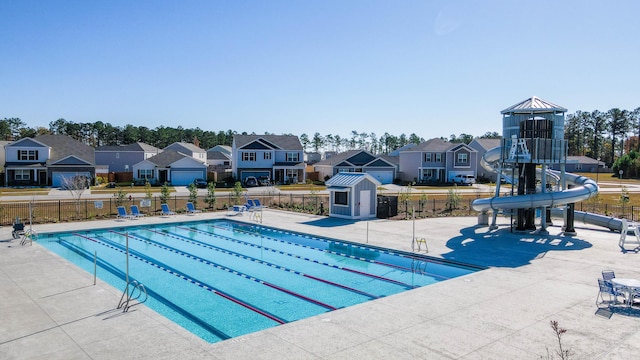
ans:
(50, 309)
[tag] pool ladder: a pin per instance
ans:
(419, 267)
(132, 292)
(27, 237)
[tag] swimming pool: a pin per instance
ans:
(220, 278)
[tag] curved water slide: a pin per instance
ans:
(584, 189)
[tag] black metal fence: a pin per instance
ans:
(47, 211)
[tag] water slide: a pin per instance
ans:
(584, 189)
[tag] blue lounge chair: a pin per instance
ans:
(258, 204)
(250, 206)
(135, 212)
(166, 210)
(122, 213)
(191, 209)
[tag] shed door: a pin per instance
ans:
(365, 203)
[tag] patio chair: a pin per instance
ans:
(258, 204)
(122, 213)
(629, 227)
(135, 212)
(166, 210)
(250, 205)
(607, 289)
(233, 210)
(191, 209)
(18, 229)
(608, 275)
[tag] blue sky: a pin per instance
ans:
(433, 68)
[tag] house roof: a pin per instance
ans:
(217, 155)
(186, 146)
(341, 157)
(137, 146)
(533, 105)
(283, 142)
(63, 146)
(433, 145)
(397, 151)
(166, 158)
(349, 179)
(583, 160)
(487, 144)
(220, 148)
(395, 160)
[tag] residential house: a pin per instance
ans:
(352, 195)
(381, 167)
(48, 160)
(219, 155)
(170, 166)
(482, 146)
(279, 157)
(120, 158)
(189, 149)
(582, 164)
(437, 161)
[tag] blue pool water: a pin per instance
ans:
(220, 279)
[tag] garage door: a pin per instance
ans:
(58, 179)
(183, 178)
(256, 174)
(385, 177)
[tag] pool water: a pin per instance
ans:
(220, 279)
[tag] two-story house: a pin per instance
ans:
(482, 146)
(47, 160)
(437, 161)
(381, 167)
(120, 158)
(171, 167)
(279, 157)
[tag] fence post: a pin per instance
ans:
(59, 210)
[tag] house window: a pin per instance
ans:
(463, 158)
(438, 157)
(145, 173)
(117, 155)
(267, 156)
(427, 157)
(340, 198)
(293, 156)
(27, 155)
(22, 175)
(428, 173)
(578, 166)
(248, 156)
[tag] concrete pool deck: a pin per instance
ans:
(50, 309)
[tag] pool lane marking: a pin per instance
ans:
(230, 270)
(195, 282)
(393, 281)
(263, 262)
(404, 268)
(166, 302)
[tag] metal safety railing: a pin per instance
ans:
(134, 291)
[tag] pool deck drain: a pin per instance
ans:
(50, 309)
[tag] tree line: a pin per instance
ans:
(603, 135)
(99, 133)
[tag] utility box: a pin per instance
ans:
(387, 206)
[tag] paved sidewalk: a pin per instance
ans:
(50, 309)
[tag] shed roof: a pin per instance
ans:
(349, 179)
